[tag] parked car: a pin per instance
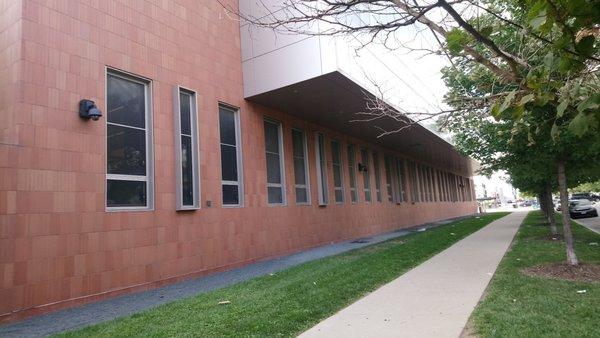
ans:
(582, 208)
(559, 208)
(581, 196)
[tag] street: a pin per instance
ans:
(592, 223)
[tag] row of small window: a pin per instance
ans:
(428, 184)
(130, 157)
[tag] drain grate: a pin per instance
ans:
(362, 240)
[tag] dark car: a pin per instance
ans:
(581, 196)
(582, 208)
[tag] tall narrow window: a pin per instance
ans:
(321, 170)
(447, 187)
(400, 176)
(186, 149)
(231, 159)
(387, 163)
(439, 186)
(300, 167)
(364, 158)
(444, 190)
(336, 162)
(414, 182)
(274, 158)
(423, 185)
(377, 170)
(429, 184)
(352, 173)
(129, 164)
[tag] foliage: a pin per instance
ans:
(552, 113)
(588, 187)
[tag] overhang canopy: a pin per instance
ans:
(333, 99)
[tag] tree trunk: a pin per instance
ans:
(564, 204)
(542, 199)
(550, 208)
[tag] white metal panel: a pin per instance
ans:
(295, 63)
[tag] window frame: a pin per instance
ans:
(340, 165)
(148, 122)
(321, 163)
(281, 154)
(177, 90)
(306, 168)
(238, 146)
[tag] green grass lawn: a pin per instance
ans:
(520, 306)
(292, 300)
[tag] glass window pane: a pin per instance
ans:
(227, 126)
(337, 176)
(299, 171)
(298, 143)
(229, 163)
(187, 176)
(335, 152)
(275, 195)
(273, 169)
(126, 102)
(271, 137)
(126, 150)
(185, 113)
(230, 194)
(126, 193)
(323, 166)
(366, 177)
(339, 196)
(301, 195)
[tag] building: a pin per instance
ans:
(204, 159)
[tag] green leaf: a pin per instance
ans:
(517, 112)
(560, 110)
(592, 102)
(495, 111)
(457, 40)
(550, 60)
(526, 99)
(580, 124)
(507, 101)
(539, 19)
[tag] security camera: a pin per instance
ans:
(89, 110)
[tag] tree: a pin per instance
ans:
(587, 187)
(531, 65)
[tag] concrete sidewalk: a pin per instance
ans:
(436, 298)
